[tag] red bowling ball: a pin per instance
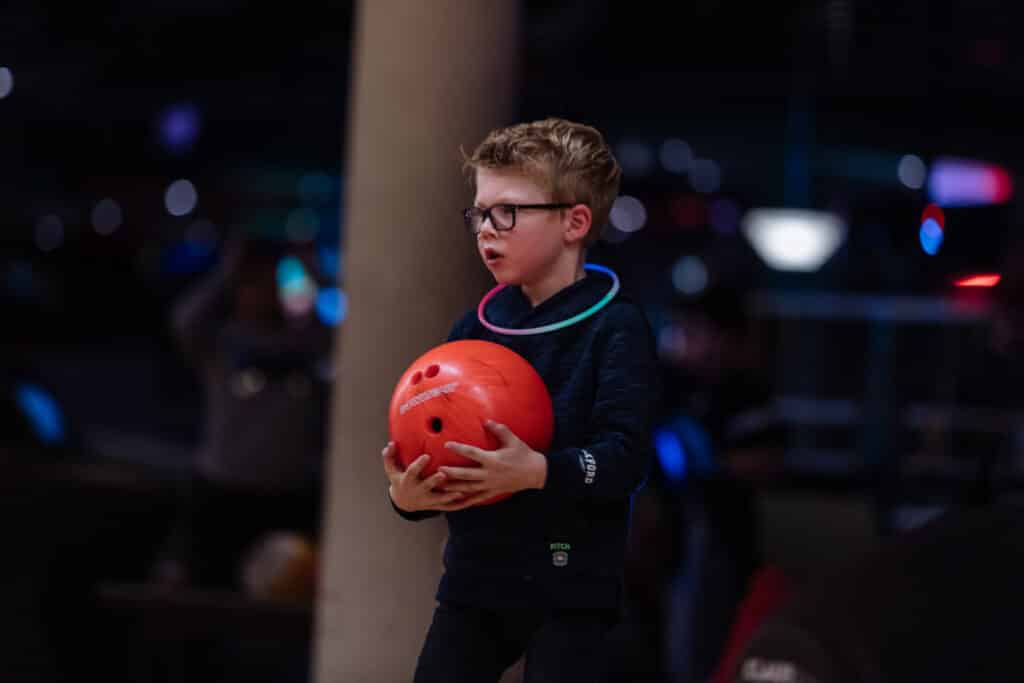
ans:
(448, 393)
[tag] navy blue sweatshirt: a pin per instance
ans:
(563, 545)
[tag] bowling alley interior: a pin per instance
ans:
(253, 269)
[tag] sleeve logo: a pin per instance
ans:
(588, 463)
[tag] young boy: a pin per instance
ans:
(540, 573)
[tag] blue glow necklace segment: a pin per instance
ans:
(553, 326)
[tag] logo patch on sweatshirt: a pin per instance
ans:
(560, 554)
(589, 465)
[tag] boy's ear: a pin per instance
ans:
(580, 222)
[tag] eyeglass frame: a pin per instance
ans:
(485, 214)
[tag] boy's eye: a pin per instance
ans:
(504, 213)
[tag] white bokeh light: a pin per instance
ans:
(49, 232)
(912, 171)
(794, 239)
(181, 198)
(690, 275)
(6, 82)
(628, 214)
(106, 216)
(676, 156)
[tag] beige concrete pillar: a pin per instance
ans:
(428, 77)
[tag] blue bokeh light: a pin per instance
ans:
(684, 450)
(931, 237)
(331, 306)
(42, 411)
(179, 127)
(291, 275)
(671, 454)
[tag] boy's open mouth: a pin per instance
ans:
(491, 255)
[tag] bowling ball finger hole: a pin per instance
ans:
(433, 370)
(417, 378)
(435, 424)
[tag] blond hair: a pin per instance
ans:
(570, 160)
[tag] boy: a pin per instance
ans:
(540, 573)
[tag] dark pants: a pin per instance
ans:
(474, 645)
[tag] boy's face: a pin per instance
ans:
(527, 253)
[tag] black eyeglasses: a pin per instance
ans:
(502, 216)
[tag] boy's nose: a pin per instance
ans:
(486, 226)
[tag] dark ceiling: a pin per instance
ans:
(933, 76)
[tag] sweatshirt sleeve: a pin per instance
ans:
(462, 327)
(615, 458)
(412, 516)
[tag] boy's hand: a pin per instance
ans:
(410, 491)
(513, 467)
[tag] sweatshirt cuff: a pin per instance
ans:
(411, 516)
(573, 470)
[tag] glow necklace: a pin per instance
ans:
(553, 326)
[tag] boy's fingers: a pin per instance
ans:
(465, 450)
(417, 465)
(465, 473)
(452, 497)
(503, 433)
(435, 480)
(390, 464)
(465, 486)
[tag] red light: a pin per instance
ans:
(1002, 185)
(984, 280)
(935, 212)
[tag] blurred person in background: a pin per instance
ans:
(939, 603)
(695, 546)
(261, 354)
